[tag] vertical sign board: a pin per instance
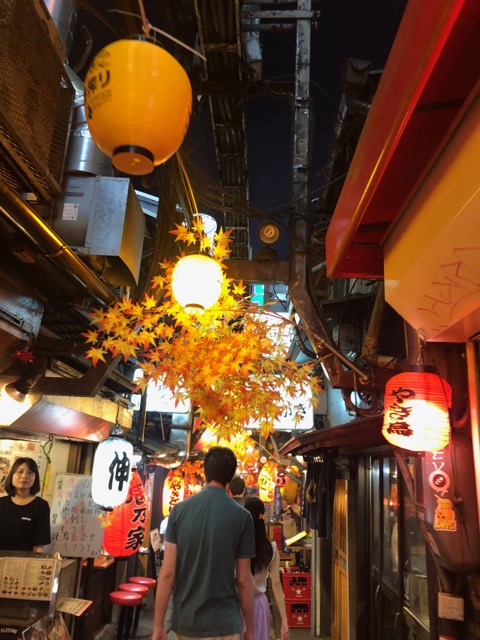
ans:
(74, 516)
(447, 506)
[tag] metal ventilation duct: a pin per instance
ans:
(101, 219)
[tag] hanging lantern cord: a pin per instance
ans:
(147, 28)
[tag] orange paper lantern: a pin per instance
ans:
(127, 523)
(173, 491)
(416, 411)
(138, 101)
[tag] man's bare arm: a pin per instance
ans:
(165, 584)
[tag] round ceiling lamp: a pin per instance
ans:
(416, 416)
(209, 224)
(269, 233)
(197, 282)
(138, 101)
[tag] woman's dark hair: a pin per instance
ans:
(263, 546)
(220, 465)
(32, 465)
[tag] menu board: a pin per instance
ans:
(28, 578)
(74, 517)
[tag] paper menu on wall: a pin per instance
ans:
(28, 578)
(74, 517)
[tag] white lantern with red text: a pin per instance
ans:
(111, 472)
(416, 414)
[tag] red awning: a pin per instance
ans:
(432, 68)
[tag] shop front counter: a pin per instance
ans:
(98, 579)
(28, 590)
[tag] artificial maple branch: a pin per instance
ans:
(228, 361)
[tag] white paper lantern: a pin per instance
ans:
(197, 282)
(111, 472)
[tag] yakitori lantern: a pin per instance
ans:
(416, 411)
(138, 102)
(197, 282)
(173, 491)
(127, 524)
(111, 472)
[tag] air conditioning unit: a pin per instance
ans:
(102, 220)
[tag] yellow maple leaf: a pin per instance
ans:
(149, 302)
(91, 336)
(239, 289)
(96, 354)
(184, 234)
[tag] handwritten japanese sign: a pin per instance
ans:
(76, 530)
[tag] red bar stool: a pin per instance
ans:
(151, 583)
(142, 590)
(126, 600)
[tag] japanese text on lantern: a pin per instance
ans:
(173, 491)
(399, 413)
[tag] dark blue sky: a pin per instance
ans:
(363, 29)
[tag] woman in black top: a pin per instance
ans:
(24, 518)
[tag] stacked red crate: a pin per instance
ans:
(297, 587)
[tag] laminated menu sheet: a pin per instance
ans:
(28, 578)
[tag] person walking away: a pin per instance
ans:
(267, 560)
(209, 543)
(237, 489)
(24, 517)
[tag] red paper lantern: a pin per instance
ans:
(173, 491)
(416, 411)
(127, 523)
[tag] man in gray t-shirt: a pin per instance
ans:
(209, 543)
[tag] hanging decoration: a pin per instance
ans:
(416, 411)
(227, 361)
(197, 282)
(193, 476)
(127, 523)
(111, 472)
(289, 489)
(173, 490)
(138, 102)
(281, 478)
(266, 482)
